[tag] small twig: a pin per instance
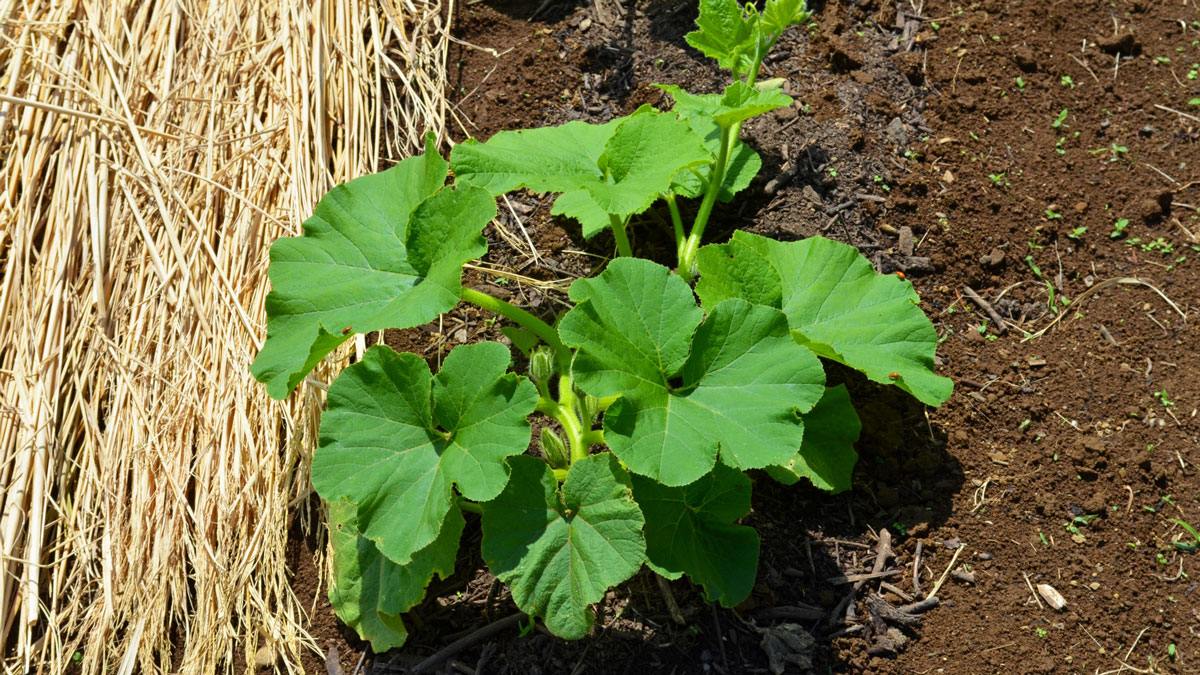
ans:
(1108, 336)
(942, 579)
(464, 642)
(987, 307)
(917, 568)
(1135, 641)
(669, 598)
(1159, 172)
(1085, 67)
(858, 578)
(897, 590)
(1177, 112)
(870, 198)
(920, 606)
(720, 638)
(1033, 592)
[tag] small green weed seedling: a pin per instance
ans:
(666, 391)
(1119, 228)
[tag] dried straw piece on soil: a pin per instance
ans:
(149, 155)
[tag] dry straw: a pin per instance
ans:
(149, 154)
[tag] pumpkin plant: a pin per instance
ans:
(665, 391)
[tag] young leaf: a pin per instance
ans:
(739, 103)
(692, 530)
(726, 33)
(706, 113)
(827, 456)
(382, 251)
(740, 391)
(370, 592)
(618, 168)
(394, 439)
(778, 15)
(840, 308)
(559, 551)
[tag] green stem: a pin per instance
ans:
(676, 222)
(568, 416)
(513, 313)
(618, 228)
(593, 437)
(687, 256)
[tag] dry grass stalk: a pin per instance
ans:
(149, 155)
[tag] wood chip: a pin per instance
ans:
(1051, 596)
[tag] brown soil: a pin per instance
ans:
(1062, 459)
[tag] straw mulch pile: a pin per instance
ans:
(150, 152)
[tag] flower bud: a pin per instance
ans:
(589, 408)
(541, 365)
(554, 449)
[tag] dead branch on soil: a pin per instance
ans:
(149, 155)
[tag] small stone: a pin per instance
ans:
(1095, 585)
(785, 113)
(948, 178)
(585, 24)
(961, 574)
(1078, 538)
(1080, 207)
(896, 132)
(985, 555)
(993, 259)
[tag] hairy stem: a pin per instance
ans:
(568, 416)
(687, 255)
(676, 222)
(526, 320)
(618, 228)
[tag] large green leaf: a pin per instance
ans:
(837, 306)
(394, 439)
(692, 530)
(618, 168)
(382, 251)
(560, 550)
(827, 456)
(370, 592)
(738, 394)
